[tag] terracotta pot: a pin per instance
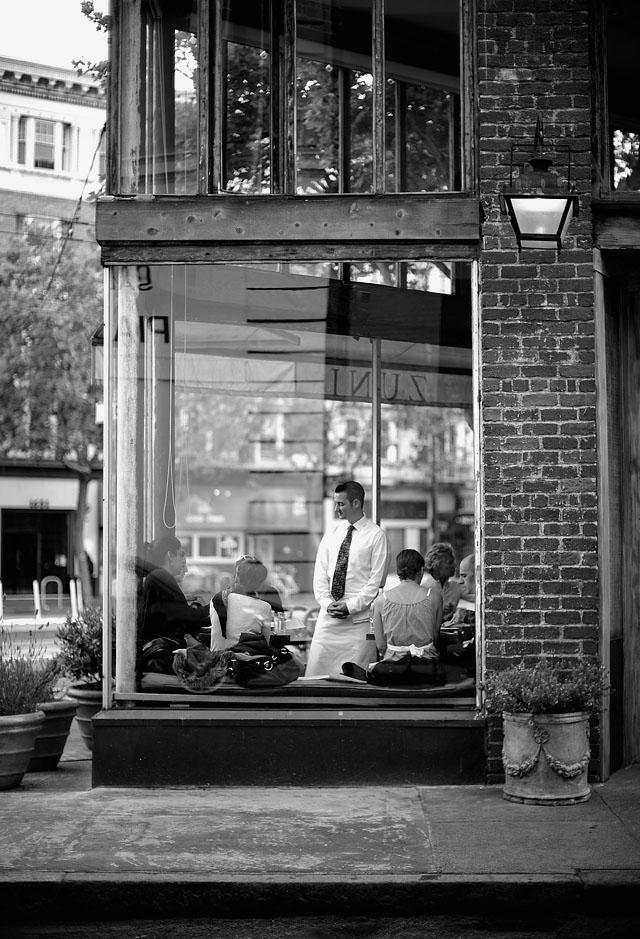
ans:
(18, 734)
(52, 737)
(546, 758)
(89, 701)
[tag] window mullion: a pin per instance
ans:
(210, 90)
(400, 136)
(344, 131)
(378, 95)
(289, 94)
(276, 108)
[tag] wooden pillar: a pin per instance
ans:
(126, 495)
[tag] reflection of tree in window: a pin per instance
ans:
(318, 154)
(247, 133)
(626, 155)
(419, 130)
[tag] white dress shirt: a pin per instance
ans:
(337, 640)
(367, 568)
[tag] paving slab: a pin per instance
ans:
(380, 850)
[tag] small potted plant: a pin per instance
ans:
(80, 657)
(546, 709)
(26, 680)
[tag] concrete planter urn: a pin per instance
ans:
(546, 707)
(88, 701)
(18, 734)
(546, 758)
(51, 740)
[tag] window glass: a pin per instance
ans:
(330, 111)
(250, 392)
(22, 140)
(44, 146)
(169, 153)
(65, 156)
(422, 121)
(334, 87)
(247, 68)
(622, 26)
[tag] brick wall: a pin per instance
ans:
(538, 355)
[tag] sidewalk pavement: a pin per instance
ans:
(113, 853)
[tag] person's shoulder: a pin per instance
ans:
(431, 585)
(367, 523)
(158, 576)
(374, 530)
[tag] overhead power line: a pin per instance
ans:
(74, 217)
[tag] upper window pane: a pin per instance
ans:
(295, 110)
(623, 24)
(422, 120)
(335, 102)
(168, 149)
(247, 131)
(45, 144)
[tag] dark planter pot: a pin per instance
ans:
(88, 699)
(18, 734)
(52, 737)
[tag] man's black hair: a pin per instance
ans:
(353, 490)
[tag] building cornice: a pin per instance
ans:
(50, 83)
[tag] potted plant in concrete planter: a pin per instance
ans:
(80, 657)
(546, 709)
(26, 679)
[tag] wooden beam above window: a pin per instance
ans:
(130, 228)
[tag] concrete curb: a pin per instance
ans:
(95, 896)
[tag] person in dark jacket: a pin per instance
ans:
(166, 612)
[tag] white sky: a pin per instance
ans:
(50, 32)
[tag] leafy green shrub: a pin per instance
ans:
(27, 676)
(549, 687)
(80, 641)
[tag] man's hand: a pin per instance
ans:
(338, 608)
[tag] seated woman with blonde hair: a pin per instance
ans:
(245, 606)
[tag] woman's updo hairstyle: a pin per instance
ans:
(251, 574)
(408, 563)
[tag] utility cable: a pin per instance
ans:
(74, 217)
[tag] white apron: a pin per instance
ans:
(340, 640)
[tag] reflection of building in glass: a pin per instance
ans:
(51, 165)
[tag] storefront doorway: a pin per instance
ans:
(35, 545)
(618, 300)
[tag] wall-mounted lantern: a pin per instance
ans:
(540, 204)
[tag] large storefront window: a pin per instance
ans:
(301, 97)
(245, 393)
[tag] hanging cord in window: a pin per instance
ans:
(169, 492)
(76, 213)
(184, 423)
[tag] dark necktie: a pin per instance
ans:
(340, 573)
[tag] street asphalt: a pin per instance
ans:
(374, 851)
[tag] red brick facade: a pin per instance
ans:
(538, 356)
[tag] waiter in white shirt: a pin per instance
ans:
(351, 566)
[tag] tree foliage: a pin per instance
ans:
(51, 300)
